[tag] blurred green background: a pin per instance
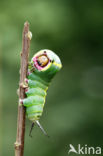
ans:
(73, 113)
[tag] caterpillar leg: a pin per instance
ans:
(42, 129)
(20, 102)
(30, 68)
(24, 84)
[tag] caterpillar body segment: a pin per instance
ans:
(42, 68)
(36, 94)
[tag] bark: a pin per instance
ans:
(19, 144)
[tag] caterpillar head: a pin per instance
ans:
(46, 64)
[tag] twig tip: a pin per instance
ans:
(26, 23)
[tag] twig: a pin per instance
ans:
(19, 144)
(1, 88)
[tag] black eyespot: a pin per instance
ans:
(39, 63)
(44, 51)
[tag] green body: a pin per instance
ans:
(38, 82)
(36, 95)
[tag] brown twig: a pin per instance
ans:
(19, 144)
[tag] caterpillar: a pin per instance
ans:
(42, 68)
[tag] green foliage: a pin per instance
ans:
(73, 114)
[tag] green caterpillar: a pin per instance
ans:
(42, 68)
